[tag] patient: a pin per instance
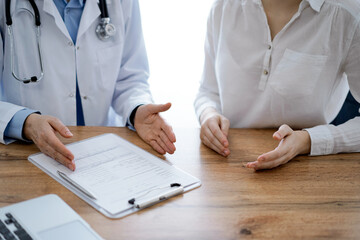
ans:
(274, 63)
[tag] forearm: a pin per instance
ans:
(330, 139)
(205, 100)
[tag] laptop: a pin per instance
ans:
(46, 217)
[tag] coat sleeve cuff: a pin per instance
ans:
(15, 127)
(11, 110)
(131, 109)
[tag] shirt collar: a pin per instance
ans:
(79, 3)
(314, 4)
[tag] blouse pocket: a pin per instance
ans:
(297, 74)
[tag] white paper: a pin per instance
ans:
(115, 171)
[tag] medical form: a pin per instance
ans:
(111, 171)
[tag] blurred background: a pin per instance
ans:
(174, 32)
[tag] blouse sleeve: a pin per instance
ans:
(330, 139)
(208, 94)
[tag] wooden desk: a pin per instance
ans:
(317, 197)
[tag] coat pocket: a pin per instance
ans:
(109, 60)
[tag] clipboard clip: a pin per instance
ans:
(176, 189)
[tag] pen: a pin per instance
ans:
(164, 196)
(69, 180)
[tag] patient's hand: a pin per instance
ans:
(292, 143)
(214, 131)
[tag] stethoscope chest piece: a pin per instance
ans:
(105, 29)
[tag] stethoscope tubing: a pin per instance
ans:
(9, 22)
(104, 31)
(34, 7)
(103, 9)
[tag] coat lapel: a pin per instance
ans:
(90, 14)
(50, 8)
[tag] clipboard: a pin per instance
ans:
(116, 177)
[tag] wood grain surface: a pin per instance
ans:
(310, 197)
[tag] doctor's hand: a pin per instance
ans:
(153, 129)
(214, 131)
(292, 143)
(41, 130)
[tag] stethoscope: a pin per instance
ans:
(104, 31)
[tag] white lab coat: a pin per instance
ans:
(112, 75)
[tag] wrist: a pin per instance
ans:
(207, 113)
(133, 114)
(305, 142)
(28, 124)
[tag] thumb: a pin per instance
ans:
(283, 132)
(156, 108)
(224, 125)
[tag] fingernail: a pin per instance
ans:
(251, 165)
(226, 152)
(71, 167)
(278, 135)
(68, 133)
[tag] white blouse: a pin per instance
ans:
(299, 78)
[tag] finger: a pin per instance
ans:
(60, 127)
(220, 137)
(271, 164)
(167, 142)
(224, 125)
(157, 147)
(48, 150)
(58, 146)
(283, 131)
(156, 108)
(162, 144)
(211, 145)
(64, 160)
(169, 132)
(213, 140)
(274, 154)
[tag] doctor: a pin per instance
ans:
(64, 63)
